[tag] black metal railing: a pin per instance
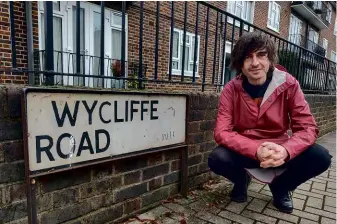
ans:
(85, 70)
(307, 43)
(152, 62)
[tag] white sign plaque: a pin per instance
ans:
(68, 128)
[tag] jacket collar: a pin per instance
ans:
(276, 86)
(279, 77)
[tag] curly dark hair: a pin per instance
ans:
(251, 42)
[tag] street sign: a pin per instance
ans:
(66, 128)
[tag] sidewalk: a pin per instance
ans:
(314, 202)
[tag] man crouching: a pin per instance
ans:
(255, 111)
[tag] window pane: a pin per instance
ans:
(81, 34)
(186, 61)
(175, 44)
(238, 11)
(116, 19)
(42, 32)
(192, 50)
(78, 80)
(97, 43)
(249, 11)
(175, 65)
(231, 5)
(56, 5)
(116, 44)
(58, 48)
(333, 56)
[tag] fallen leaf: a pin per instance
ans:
(183, 221)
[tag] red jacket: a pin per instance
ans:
(242, 126)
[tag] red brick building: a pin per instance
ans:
(311, 25)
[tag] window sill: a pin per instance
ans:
(186, 74)
(237, 23)
(273, 29)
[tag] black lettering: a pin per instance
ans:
(102, 131)
(85, 137)
(89, 110)
(153, 102)
(133, 109)
(126, 110)
(116, 115)
(58, 146)
(72, 118)
(100, 112)
(143, 109)
(45, 149)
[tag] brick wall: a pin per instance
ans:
(111, 191)
(21, 40)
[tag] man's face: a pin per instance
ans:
(256, 65)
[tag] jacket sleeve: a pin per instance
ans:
(302, 124)
(224, 134)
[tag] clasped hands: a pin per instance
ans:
(271, 155)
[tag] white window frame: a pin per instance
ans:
(191, 51)
(335, 28)
(331, 56)
(329, 13)
(67, 36)
(231, 8)
(273, 7)
(325, 46)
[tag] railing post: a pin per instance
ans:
(156, 42)
(184, 44)
(140, 67)
(78, 44)
(30, 52)
(171, 40)
(123, 38)
(327, 76)
(241, 28)
(11, 10)
(196, 43)
(205, 56)
(299, 65)
(102, 44)
(49, 45)
(215, 46)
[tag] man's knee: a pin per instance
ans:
(321, 157)
(219, 159)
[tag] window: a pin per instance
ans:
(177, 54)
(242, 9)
(295, 30)
(335, 29)
(325, 46)
(64, 25)
(333, 56)
(274, 16)
(328, 14)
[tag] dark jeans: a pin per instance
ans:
(312, 162)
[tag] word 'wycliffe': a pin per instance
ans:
(130, 108)
(107, 112)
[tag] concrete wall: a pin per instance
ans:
(113, 190)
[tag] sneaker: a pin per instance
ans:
(239, 192)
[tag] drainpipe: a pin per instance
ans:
(30, 52)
